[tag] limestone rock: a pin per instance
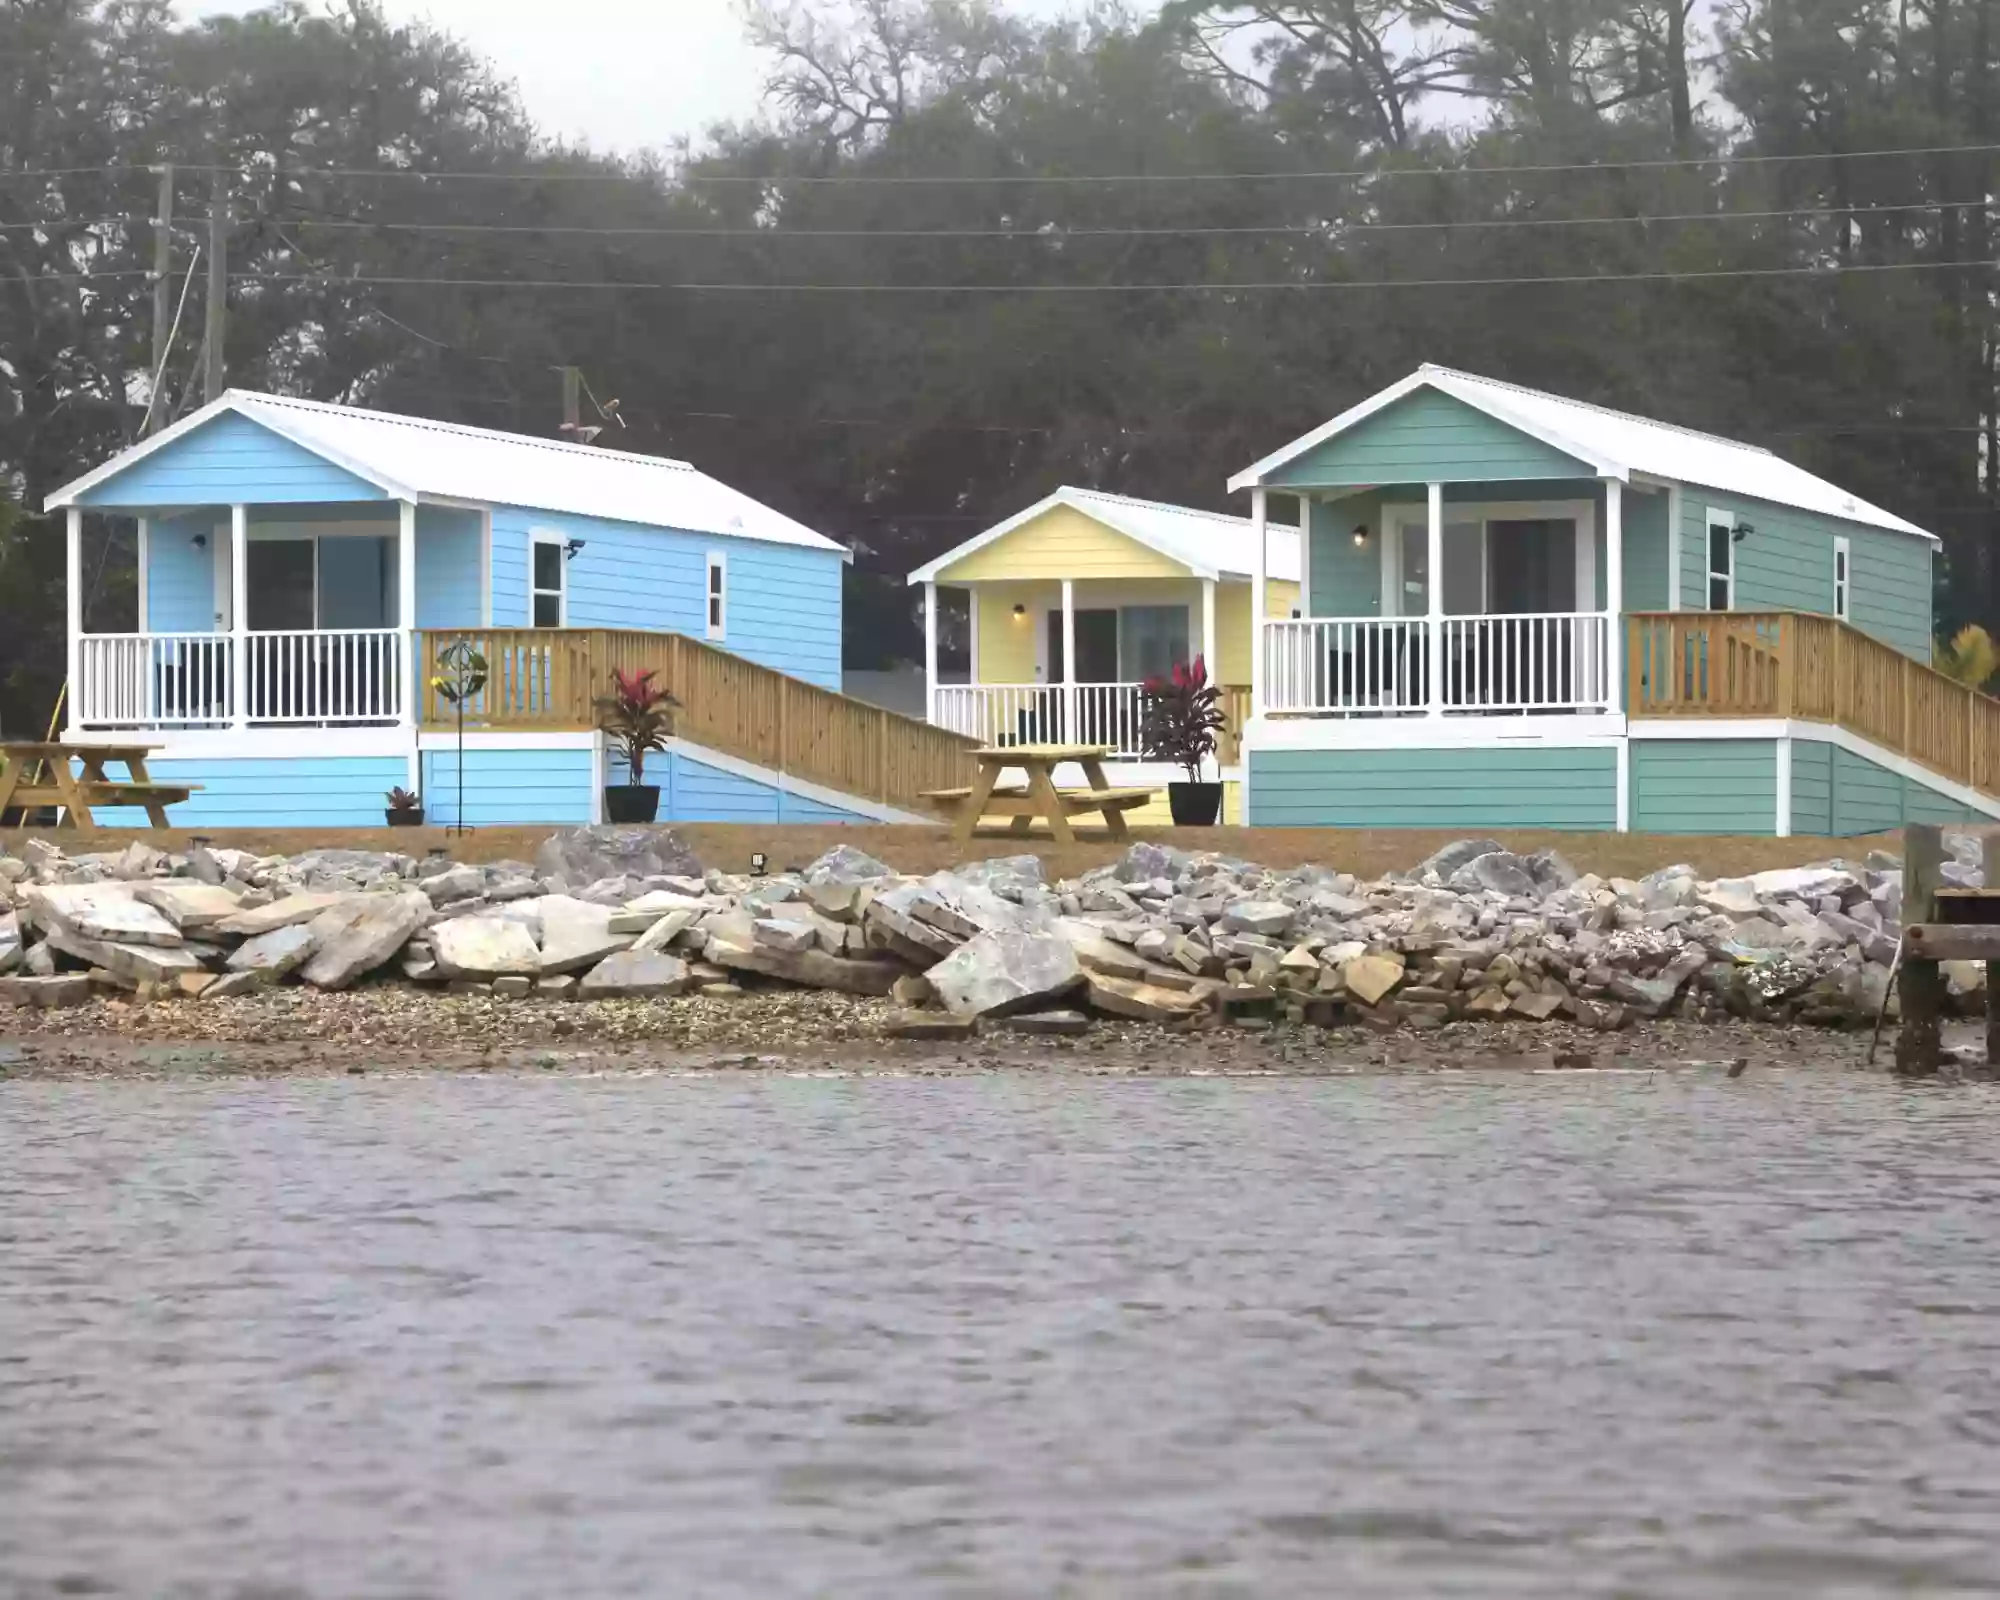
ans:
(1495, 872)
(580, 856)
(637, 916)
(249, 923)
(102, 911)
(1065, 1024)
(845, 864)
(356, 938)
(1538, 1007)
(1455, 855)
(926, 1025)
(784, 935)
(663, 932)
(275, 953)
(1735, 897)
(1007, 970)
(69, 990)
(1369, 978)
(454, 883)
(10, 941)
(1145, 1002)
(513, 985)
(232, 984)
(1272, 918)
(813, 968)
(190, 907)
(577, 934)
(635, 974)
(484, 947)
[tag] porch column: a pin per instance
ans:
(1208, 629)
(1614, 594)
(406, 611)
(1305, 557)
(1434, 598)
(239, 616)
(1069, 734)
(143, 559)
(971, 635)
(1258, 563)
(73, 608)
(930, 652)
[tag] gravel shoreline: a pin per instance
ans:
(302, 1033)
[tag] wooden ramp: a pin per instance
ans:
(544, 680)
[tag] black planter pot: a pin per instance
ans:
(1194, 805)
(406, 818)
(631, 802)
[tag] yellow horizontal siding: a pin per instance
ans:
(1232, 624)
(1062, 543)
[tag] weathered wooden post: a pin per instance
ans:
(1920, 1040)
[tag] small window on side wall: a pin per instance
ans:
(1843, 567)
(718, 596)
(546, 600)
(1721, 561)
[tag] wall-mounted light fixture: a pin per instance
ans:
(200, 541)
(571, 548)
(1020, 610)
(1743, 531)
(1361, 536)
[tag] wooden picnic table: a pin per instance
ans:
(1039, 796)
(78, 792)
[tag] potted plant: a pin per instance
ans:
(406, 810)
(638, 719)
(1179, 716)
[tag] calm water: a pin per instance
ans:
(1530, 1335)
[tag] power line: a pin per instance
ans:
(1288, 286)
(1656, 163)
(1057, 232)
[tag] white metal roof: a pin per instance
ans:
(1208, 543)
(1614, 443)
(413, 458)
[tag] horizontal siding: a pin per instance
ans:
(509, 786)
(1786, 564)
(230, 460)
(1866, 798)
(797, 808)
(1427, 437)
(1812, 787)
(697, 792)
(300, 792)
(1346, 577)
(1924, 804)
(1528, 787)
(784, 601)
(1062, 543)
(450, 564)
(180, 577)
(1645, 517)
(1704, 785)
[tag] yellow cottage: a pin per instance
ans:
(1079, 599)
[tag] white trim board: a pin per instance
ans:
(1430, 733)
(1401, 516)
(486, 739)
(258, 743)
(1781, 729)
(736, 766)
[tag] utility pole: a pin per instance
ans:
(572, 403)
(218, 286)
(163, 266)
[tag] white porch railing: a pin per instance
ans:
(1035, 713)
(178, 680)
(1373, 666)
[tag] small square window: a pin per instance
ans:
(548, 610)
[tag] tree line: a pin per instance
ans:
(967, 256)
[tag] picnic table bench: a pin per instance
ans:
(77, 792)
(1038, 797)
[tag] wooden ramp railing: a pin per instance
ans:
(545, 680)
(1814, 669)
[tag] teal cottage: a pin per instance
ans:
(1520, 610)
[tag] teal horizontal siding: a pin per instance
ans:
(275, 792)
(1427, 437)
(1646, 552)
(230, 460)
(1346, 578)
(1786, 564)
(784, 601)
(1812, 787)
(1533, 786)
(1704, 785)
(509, 786)
(1866, 798)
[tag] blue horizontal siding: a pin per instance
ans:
(180, 576)
(229, 460)
(697, 792)
(1538, 786)
(796, 808)
(450, 566)
(275, 792)
(1705, 786)
(509, 786)
(783, 601)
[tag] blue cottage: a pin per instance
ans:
(300, 564)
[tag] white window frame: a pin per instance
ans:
(714, 595)
(1410, 519)
(1843, 577)
(1717, 518)
(561, 543)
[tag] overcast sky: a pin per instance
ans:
(623, 74)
